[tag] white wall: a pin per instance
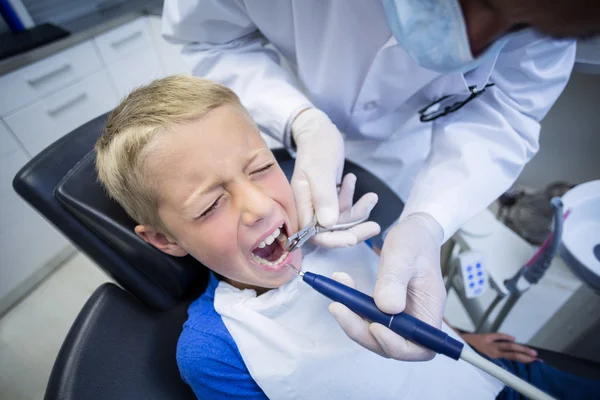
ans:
(570, 137)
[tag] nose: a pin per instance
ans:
(255, 204)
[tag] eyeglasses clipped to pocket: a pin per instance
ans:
(434, 110)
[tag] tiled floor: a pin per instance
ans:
(31, 333)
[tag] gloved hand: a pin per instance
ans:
(318, 169)
(351, 213)
(409, 279)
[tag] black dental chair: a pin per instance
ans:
(122, 344)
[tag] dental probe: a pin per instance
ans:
(415, 330)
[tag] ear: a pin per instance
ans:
(160, 240)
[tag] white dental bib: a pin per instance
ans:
(294, 349)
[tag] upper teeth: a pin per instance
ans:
(271, 238)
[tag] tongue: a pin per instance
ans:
(270, 252)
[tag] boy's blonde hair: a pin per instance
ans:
(148, 111)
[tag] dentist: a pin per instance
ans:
(439, 98)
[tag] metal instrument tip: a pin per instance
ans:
(300, 273)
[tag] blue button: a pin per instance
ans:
(470, 277)
(469, 268)
(477, 291)
(481, 281)
(471, 285)
(479, 273)
(478, 265)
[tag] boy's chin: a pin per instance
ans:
(263, 278)
(262, 285)
(274, 282)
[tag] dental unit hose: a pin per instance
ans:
(416, 331)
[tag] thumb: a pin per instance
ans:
(344, 278)
(393, 277)
(325, 199)
(303, 199)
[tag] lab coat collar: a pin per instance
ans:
(478, 77)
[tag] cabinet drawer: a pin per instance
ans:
(27, 241)
(135, 71)
(41, 124)
(124, 41)
(8, 144)
(9, 165)
(47, 76)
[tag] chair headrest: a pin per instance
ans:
(62, 184)
(83, 195)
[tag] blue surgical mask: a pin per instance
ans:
(434, 34)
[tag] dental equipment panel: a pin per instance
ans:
(414, 330)
(474, 276)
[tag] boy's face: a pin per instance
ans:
(224, 198)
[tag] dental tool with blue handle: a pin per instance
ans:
(415, 330)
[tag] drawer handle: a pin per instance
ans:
(118, 43)
(63, 69)
(67, 104)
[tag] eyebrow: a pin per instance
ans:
(189, 203)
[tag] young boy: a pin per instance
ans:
(185, 160)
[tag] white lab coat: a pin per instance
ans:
(347, 63)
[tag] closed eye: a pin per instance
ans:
(263, 169)
(211, 209)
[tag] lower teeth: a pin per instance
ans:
(270, 263)
(282, 238)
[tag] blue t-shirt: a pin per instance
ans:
(208, 358)
(210, 362)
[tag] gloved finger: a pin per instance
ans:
(426, 297)
(393, 276)
(344, 278)
(365, 231)
(363, 207)
(346, 194)
(335, 239)
(303, 199)
(355, 328)
(349, 237)
(395, 346)
(325, 198)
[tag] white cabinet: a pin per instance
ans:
(7, 144)
(169, 54)
(27, 242)
(130, 55)
(124, 41)
(135, 71)
(44, 77)
(45, 100)
(41, 124)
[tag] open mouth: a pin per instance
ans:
(270, 252)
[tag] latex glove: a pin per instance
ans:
(500, 345)
(318, 168)
(409, 279)
(350, 213)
